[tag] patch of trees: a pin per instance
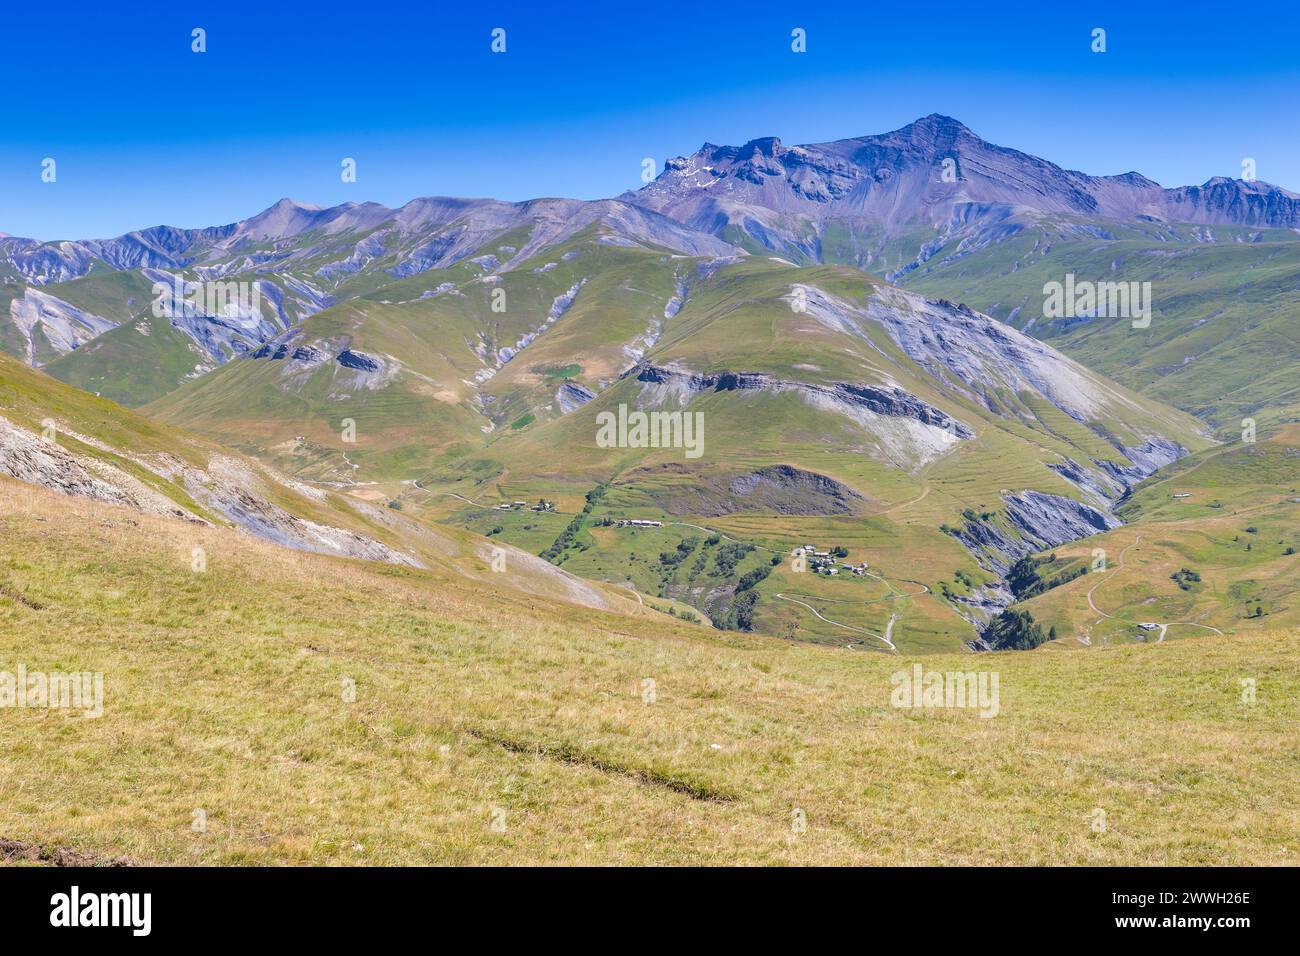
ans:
(699, 564)
(739, 615)
(670, 559)
(728, 556)
(1025, 581)
(570, 532)
(1015, 630)
(1185, 577)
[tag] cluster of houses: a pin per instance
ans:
(823, 562)
(542, 505)
(639, 523)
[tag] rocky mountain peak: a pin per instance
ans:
(936, 130)
(768, 146)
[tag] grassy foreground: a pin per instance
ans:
(488, 728)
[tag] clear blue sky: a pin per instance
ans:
(146, 132)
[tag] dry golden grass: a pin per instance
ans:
(224, 693)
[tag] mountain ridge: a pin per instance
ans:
(933, 137)
(900, 178)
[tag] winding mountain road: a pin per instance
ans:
(1164, 625)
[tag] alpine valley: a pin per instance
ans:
(843, 414)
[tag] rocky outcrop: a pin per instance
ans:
(784, 489)
(29, 457)
(571, 396)
(227, 487)
(904, 430)
(1146, 459)
(261, 518)
(889, 401)
(359, 361)
(62, 325)
(1045, 521)
(278, 351)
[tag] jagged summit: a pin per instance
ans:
(934, 172)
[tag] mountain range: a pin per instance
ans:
(860, 323)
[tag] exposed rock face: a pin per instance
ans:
(1045, 521)
(1153, 454)
(281, 350)
(1097, 485)
(980, 607)
(242, 328)
(228, 487)
(973, 355)
(908, 432)
(359, 361)
(559, 305)
(1036, 521)
(895, 401)
(1221, 201)
(425, 233)
(30, 458)
(354, 369)
(62, 325)
(881, 400)
(572, 395)
(788, 490)
(263, 519)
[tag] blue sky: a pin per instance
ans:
(145, 132)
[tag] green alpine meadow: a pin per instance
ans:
(872, 494)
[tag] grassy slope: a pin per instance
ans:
(428, 419)
(1232, 489)
(135, 363)
(429, 415)
(146, 357)
(1223, 312)
(127, 440)
(223, 693)
(738, 320)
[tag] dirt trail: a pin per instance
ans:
(1164, 625)
(849, 627)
